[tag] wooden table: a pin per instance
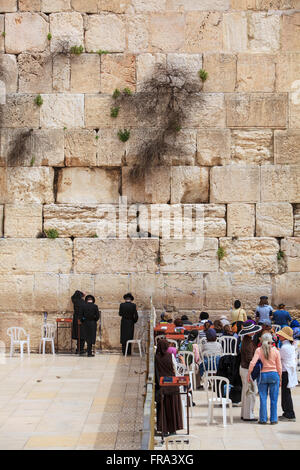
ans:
(176, 382)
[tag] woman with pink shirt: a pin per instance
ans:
(270, 378)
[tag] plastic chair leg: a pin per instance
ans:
(140, 349)
(21, 349)
(40, 347)
(28, 347)
(224, 413)
(11, 349)
(44, 346)
(126, 349)
(53, 348)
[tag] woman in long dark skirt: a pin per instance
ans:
(89, 315)
(129, 315)
(78, 300)
(172, 409)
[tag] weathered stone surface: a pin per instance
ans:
(290, 32)
(214, 220)
(253, 146)
(250, 255)
(275, 4)
(287, 70)
(286, 289)
(137, 33)
(221, 69)
(256, 110)
(110, 289)
(18, 292)
(189, 184)
(62, 110)
(189, 63)
(35, 72)
(115, 256)
(114, 6)
(20, 111)
(117, 71)
(105, 32)
(286, 180)
(235, 183)
(3, 186)
(2, 39)
(294, 106)
(35, 256)
(235, 37)
(88, 185)
(51, 6)
(203, 31)
(240, 220)
(255, 72)
(61, 73)
(85, 6)
(187, 256)
(274, 219)
(181, 147)
(98, 114)
(207, 110)
(85, 73)
(8, 6)
(291, 249)
(297, 220)
(80, 147)
(146, 65)
(1, 220)
(109, 150)
(264, 32)
(167, 32)
(149, 5)
(68, 284)
(213, 147)
(153, 188)
(202, 5)
(183, 290)
(9, 72)
(30, 5)
(248, 287)
(28, 185)
(25, 32)
(214, 283)
(66, 27)
(23, 220)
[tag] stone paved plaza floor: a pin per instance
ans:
(70, 402)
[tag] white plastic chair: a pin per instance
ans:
(16, 333)
(189, 360)
(214, 397)
(48, 335)
(139, 341)
(229, 345)
(157, 338)
(210, 368)
(181, 370)
(276, 328)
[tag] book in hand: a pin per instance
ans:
(167, 380)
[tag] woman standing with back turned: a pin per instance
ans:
(129, 316)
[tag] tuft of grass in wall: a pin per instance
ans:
(280, 255)
(94, 236)
(49, 36)
(77, 50)
(127, 91)
(3, 34)
(221, 252)
(32, 161)
(97, 137)
(51, 233)
(116, 94)
(203, 75)
(39, 100)
(124, 135)
(114, 111)
(100, 52)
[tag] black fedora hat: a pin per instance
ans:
(90, 297)
(128, 296)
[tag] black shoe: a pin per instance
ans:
(91, 355)
(82, 353)
(250, 419)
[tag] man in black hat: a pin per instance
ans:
(129, 315)
(89, 315)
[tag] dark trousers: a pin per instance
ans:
(80, 346)
(128, 349)
(286, 398)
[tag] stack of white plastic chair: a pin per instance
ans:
(48, 334)
(215, 397)
(16, 333)
(229, 345)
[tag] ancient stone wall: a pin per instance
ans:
(63, 167)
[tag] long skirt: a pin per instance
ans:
(172, 414)
(248, 395)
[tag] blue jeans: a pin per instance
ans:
(269, 384)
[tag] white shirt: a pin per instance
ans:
(289, 362)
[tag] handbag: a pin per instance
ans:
(255, 374)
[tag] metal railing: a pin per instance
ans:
(149, 405)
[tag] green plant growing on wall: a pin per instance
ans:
(116, 94)
(77, 50)
(39, 100)
(203, 75)
(221, 252)
(32, 161)
(127, 91)
(280, 255)
(51, 233)
(114, 111)
(49, 36)
(3, 34)
(100, 52)
(124, 135)
(94, 236)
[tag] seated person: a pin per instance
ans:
(202, 333)
(172, 350)
(295, 325)
(190, 345)
(266, 327)
(165, 318)
(178, 323)
(224, 320)
(211, 347)
(227, 331)
(185, 320)
(218, 327)
(203, 317)
(281, 316)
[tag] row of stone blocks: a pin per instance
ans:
(191, 31)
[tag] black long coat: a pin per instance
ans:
(89, 315)
(77, 302)
(129, 315)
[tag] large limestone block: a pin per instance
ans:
(248, 287)
(287, 70)
(110, 288)
(1, 220)
(115, 256)
(286, 181)
(213, 147)
(85, 73)
(9, 72)
(291, 249)
(25, 32)
(252, 146)
(37, 147)
(297, 220)
(46, 292)
(264, 32)
(105, 32)
(66, 27)
(274, 219)
(62, 110)
(256, 110)
(7, 6)
(287, 147)
(203, 31)
(61, 73)
(30, 5)
(214, 220)
(255, 72)
(114, 6)
(221, 69)
(148, 5)
(52, 6)
(206, 110)
(27, 185)
(2, 40)
(294, 105)
(85, 6)
(189, 184)
(240, 220)
(20, 111)
(202, 5)
(290, 32)
(88, 186)
(214, 283)
(146, 285)
(181, 147)
(263, 4)
(35, 256)
(188, 256)
(257, 255)
(69, 283)
(137, 33)
(109, 150)
(286, 289)
(154, 187)
(190, 63)
(18, 289)
(145, 66)
(23, 220)
(167, 32)
(235, 37)
(80, 147)
(235, 183)
(117, 71)
(98, 114)
(3, 186)
(184, 290)
(35, 72)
